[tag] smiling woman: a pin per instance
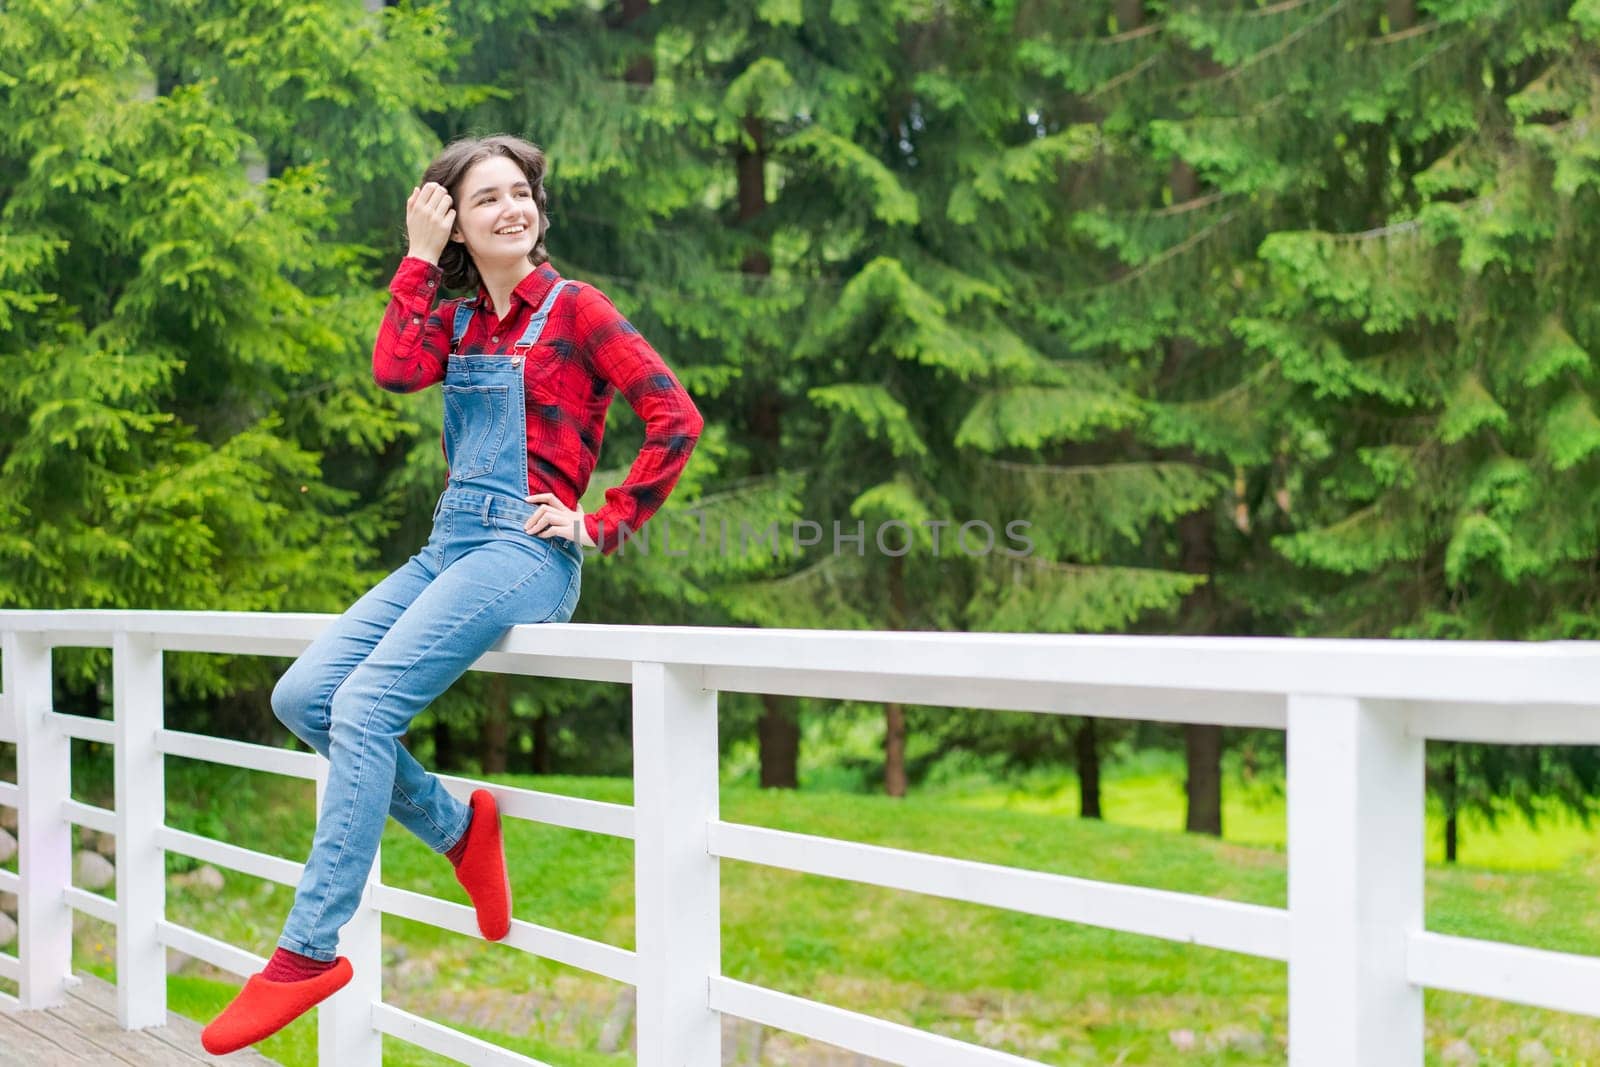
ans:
(478, 221)
(528, 368)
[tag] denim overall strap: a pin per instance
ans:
(530, 336)
(458, 330)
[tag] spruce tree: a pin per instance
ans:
(1434, 352)
(175, 333)
(1347, 278)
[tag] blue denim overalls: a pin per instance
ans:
(352, 694)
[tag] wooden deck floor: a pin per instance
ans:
(84, 1031)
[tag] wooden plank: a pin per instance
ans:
(1557, 981)
(879, 1038)
(1477, 672)
(100, 995)
(64, 1033)
(189, 1043)
(677, 883)
(1355, 883)
(18, 1044)
(141, 1047)
(1182, 917)
(176, 1042)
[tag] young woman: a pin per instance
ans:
(528, 368)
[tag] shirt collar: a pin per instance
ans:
(531, 290)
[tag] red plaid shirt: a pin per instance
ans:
(587, 352)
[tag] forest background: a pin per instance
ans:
(1267, 318)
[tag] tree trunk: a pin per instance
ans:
(541, 743)
(642, 71)
(1087, 751)
(894, 750)
(1452, 827)
(1402, 14)
(778, 730)
(751, 162)
(1203, 742)
(894, 715)
(1197, 554)
(1204, 783)
(778, 736)
(444, 746)
(1129, 14)
(496, 734)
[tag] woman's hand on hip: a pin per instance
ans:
(554, 519)
(429, 220)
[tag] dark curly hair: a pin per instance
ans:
(452, 164)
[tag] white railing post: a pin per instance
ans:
(141, 802)
(44, 783)
(346, 1036)
(1355, 883)
(677, 883)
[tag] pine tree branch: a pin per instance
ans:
(1401, 35)
(1277, 9)
(1428, 57)
(1279, 45)
(1171, 253)
(1059, 567)
(1077, 469)
(804, 574)
(1134, 34)
(1127, 75)
(737, 490)
(1192, 204)
(1391, 230)
(1131, 35)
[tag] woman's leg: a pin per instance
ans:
(303, 701)
(446, 627)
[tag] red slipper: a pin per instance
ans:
(482, 870)
(263, 1007)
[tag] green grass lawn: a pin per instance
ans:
(1058, 992)
(1149, 793)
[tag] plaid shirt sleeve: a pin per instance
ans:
(618, 354)
(414, 339)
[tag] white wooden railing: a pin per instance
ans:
(1353, 935)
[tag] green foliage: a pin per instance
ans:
(1081, 598)
(1264, 318)
(166, 317)
(1032, 416)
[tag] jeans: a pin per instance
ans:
(352, 694)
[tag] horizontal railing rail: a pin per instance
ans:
(1356, 715)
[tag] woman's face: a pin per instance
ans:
(496, 217)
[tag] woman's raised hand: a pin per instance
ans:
(429, 219)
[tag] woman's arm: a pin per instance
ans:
(414, 342)
(672, 423)
(414, 339)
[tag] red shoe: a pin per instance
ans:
(482, 870)
(263, 1007)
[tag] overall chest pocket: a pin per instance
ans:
(475, 423)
